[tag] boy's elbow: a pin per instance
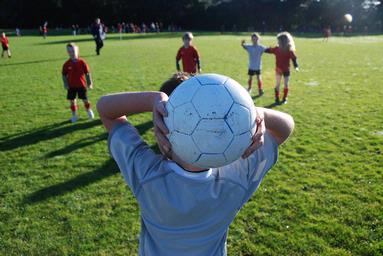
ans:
(289, 128)
(100, 106)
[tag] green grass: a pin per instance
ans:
(61, 194)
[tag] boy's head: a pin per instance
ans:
(187, 38)
(255, 38)
(285, 41)
(169, 85)
(72, 50)
(3, 34)
(97, 20)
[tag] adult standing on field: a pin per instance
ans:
(98, 35)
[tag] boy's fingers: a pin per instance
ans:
(159, 123)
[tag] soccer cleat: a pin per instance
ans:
(74, 118)
(260, 92)
(90, 114)
(249, 90)
(284, 101)
(276, 100)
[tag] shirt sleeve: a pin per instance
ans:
(133, 156)
(196, 54)
(178, 56)
(64, 70)
(292, 55)
(85, 67)
(250, 172)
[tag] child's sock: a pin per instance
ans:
(285, 92)
(87, 105)
(73, 107)
(249, 83)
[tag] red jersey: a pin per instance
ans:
(4, 41)
(75, 72)
(282, 58)
(189, 58)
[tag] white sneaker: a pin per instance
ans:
(90, 114)
(74, 118)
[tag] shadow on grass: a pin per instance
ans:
(272, 105)
(108, 169)
(40, 61)
(78, 144)
(42, 134)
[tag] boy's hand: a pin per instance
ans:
(242, 42)
(297, 69)
(199, 70)
(90, 86)
(160, 129)
(258, 138)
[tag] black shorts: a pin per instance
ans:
(251, 72)
(5, 48)
(73, 92)
(284, 73)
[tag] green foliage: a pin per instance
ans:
(61, 194)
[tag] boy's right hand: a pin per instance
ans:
(242, 42)
(160, 129)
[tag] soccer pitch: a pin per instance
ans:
(61, 194)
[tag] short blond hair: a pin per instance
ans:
(255, 34)
(188, 35)
(286, 41)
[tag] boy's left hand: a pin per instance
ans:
(90, 86)
(258, 138)
(160, 129)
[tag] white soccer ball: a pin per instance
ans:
(211, 120)
(348, 17)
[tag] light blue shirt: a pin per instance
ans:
(255, 55)
(185, 213)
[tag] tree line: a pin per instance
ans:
(269, 15)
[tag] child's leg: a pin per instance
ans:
(260, 84)
(9, 53)
(2, 54)
(286, 80)
(88, 108)
(73, 108)
(250, 83)
(278, 78)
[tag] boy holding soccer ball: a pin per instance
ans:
(189, 55)
(185, 210)
(76, 77)
(284, 52)
(255, 52)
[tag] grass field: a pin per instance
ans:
(61, 194)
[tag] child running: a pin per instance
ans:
(189, 55)
(283, 53)
(76, 78)
(255, 52)
(5, 45)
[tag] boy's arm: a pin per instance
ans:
(65, 81)
(89, 81)
(243, 44)
(178, 65)
(268, 50)
(279, 124)
(113, 108)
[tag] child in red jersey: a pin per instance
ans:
(189, 55)
(5, 45)
(283, 53)
(76, 78)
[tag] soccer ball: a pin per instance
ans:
(348, 17)
(211, 120)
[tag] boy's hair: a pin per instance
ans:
(72, 45)
(286, 41)
(188, 35)
(255, 34)
(172, 83)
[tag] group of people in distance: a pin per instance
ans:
(284, 52)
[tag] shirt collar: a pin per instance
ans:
(191, 175)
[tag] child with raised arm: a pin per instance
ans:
(189, 55)
(255, 51)
(5, 45)
(284, 52)
(76, 77)
(185, 210)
